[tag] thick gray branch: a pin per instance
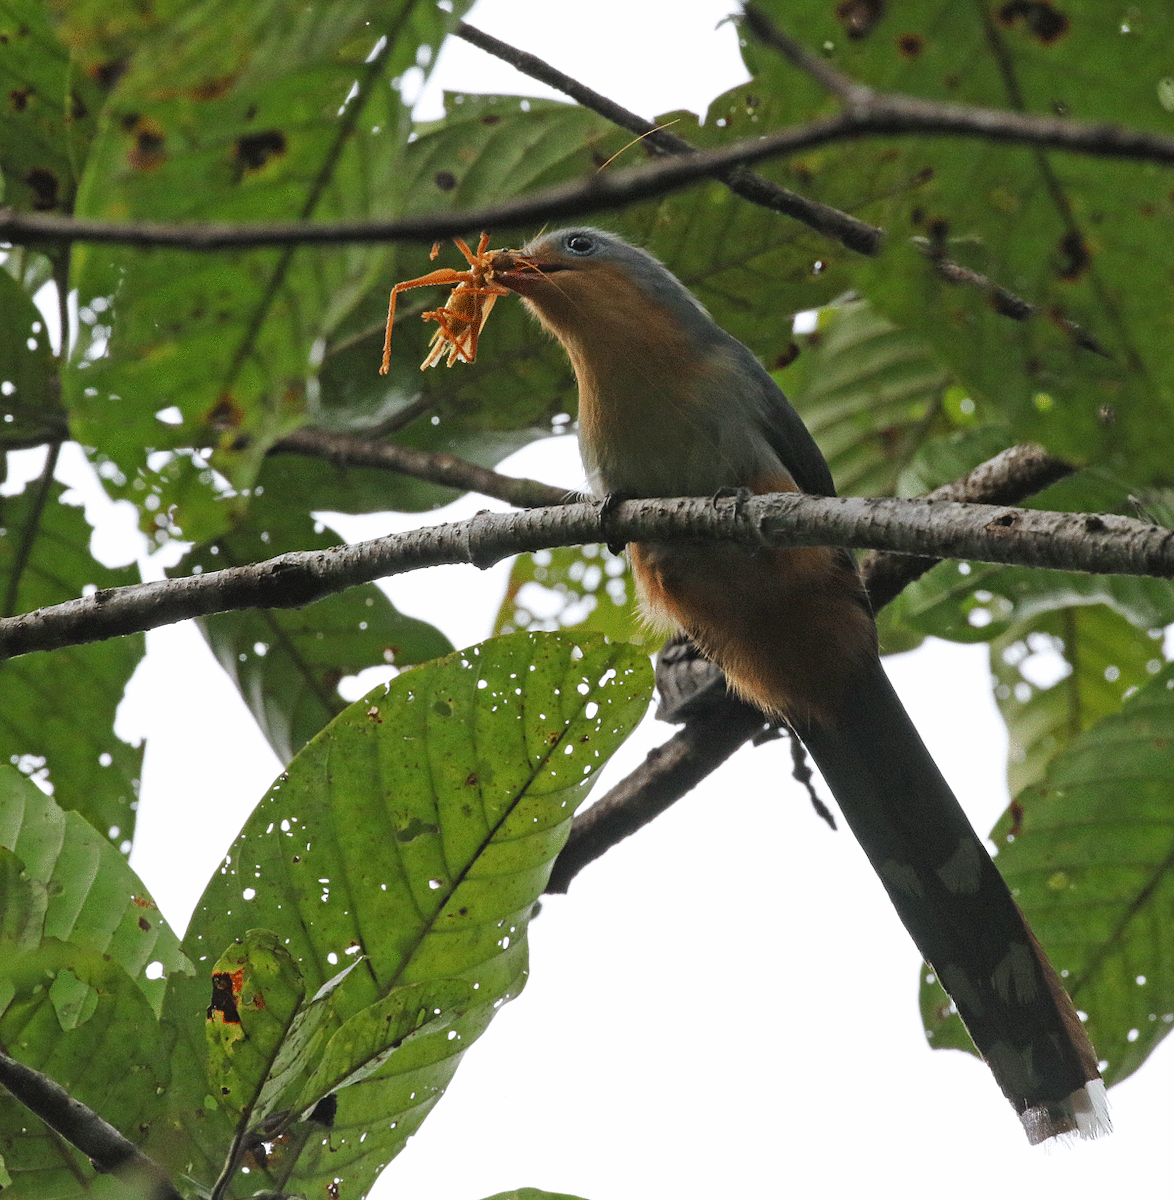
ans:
(1075, 542)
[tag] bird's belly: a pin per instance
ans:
(787, 626)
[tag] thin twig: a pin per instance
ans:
(347, 449)
(848, 230)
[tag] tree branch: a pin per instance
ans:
(346, 449)
(1075, 542)
(667, 774)
(81, 1127)
(1009, 477)
(872, 114)
(831, 222)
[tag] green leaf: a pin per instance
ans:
(1060, 673)
(256, 991)
(367, 1041)
(78, 1017)
(56, 722)
(81, 890)
(84, 960)
(414, 834)
(870, 393)
(584, 587)
(287, 663)
(28, 412)
(532, 1194)
(1087, 854)
(233, 110)
(1074, 235)
(49, 110)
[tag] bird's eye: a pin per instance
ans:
(580, 243)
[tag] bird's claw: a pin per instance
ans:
(607, 508)
(739, 495)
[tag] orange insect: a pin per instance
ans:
(463, 317)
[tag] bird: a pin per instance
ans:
(670, 404)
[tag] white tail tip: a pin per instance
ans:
(1084, 1113)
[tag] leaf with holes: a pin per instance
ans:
(56, 721)
(77, 1016)
(413, 835)
(82, 890)
(232, 110)
(1089, 855)
(580, 587)
(1077, 236)
(256, 991)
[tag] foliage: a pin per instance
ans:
(186, 369)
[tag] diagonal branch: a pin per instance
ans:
(446, 469)
(1068, 541)
(81, 1127)
(849, 231)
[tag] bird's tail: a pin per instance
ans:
(955, 905)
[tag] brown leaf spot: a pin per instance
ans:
(491, 119)
(471, 779)
(446, 181)
(225, 414)
(43, 185)
(786, 357)
(911, 44)
(211, 88)
(144, 925)
(1041, 19)
(254, 150)
(226, 990)
(19, 97)
(77, 107)
(147, 153)
(1074, 257)
(1016, 811)
(859, 16)
(107, 74)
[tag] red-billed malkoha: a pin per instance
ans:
(671, 405)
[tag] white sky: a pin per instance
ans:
(725, 1005)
